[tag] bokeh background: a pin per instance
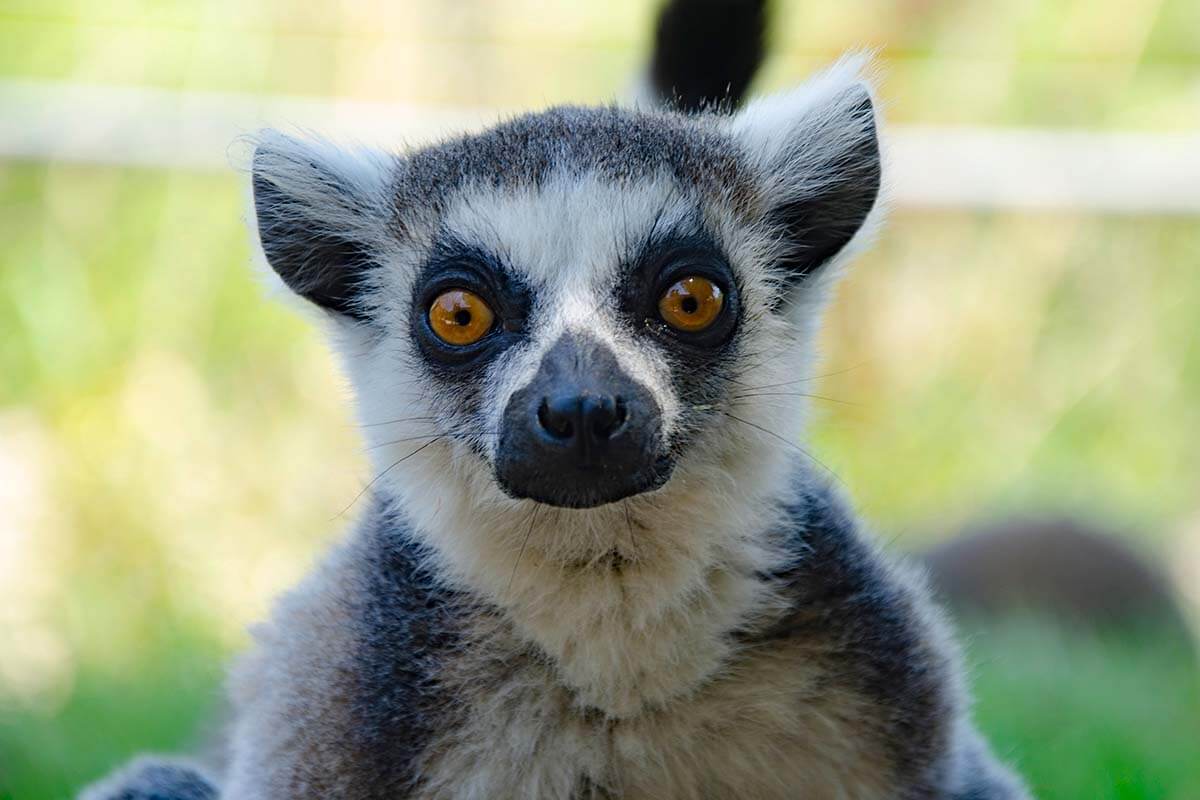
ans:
(176, 447)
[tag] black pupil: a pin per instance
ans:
(462, 317)
(689, 305)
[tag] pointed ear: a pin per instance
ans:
(817, 153)
(322, 216)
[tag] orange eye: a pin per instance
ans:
(459, 317)
(691, 305)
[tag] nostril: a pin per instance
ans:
(586, 418)
(554, 421)
(608, 416)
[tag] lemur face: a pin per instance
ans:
(571, 304)
(579, 332)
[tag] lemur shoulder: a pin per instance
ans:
(595, 562)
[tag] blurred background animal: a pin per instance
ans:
(1059, 568)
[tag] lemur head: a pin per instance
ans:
(581, 305)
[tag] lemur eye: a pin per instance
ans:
(691, 305)
(460, 318)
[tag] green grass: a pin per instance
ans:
(1085, 717)
(164, 704)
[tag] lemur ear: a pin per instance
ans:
(818, 154)
(322, 213)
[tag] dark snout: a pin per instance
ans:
(582, 432)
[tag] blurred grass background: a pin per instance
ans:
(175, 448)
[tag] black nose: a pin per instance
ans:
(582, 432)
(583, 420)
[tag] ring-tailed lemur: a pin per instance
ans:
(595, 563)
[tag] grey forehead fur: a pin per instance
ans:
(619, 144)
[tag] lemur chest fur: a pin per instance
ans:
(820, 672)
(781, 689)
(761, 725)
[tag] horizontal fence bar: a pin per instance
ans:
(929, 167)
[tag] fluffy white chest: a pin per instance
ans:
(765, 726)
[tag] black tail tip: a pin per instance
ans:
(707, 51)
(154, 779)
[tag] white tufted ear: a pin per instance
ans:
(818, 157)
(322, 215)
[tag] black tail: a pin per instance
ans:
(150, 779)
(707, 51)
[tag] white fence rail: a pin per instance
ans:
(930, 167)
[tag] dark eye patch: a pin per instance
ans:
(664, 261)
(455, 264)
(700, 362)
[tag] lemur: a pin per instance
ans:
(595, 561)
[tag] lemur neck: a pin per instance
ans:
(633, 601)
(633, 629)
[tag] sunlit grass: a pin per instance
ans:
(1085, 717)
(168, 702)
(1014, 361)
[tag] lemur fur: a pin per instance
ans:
(692, 613)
